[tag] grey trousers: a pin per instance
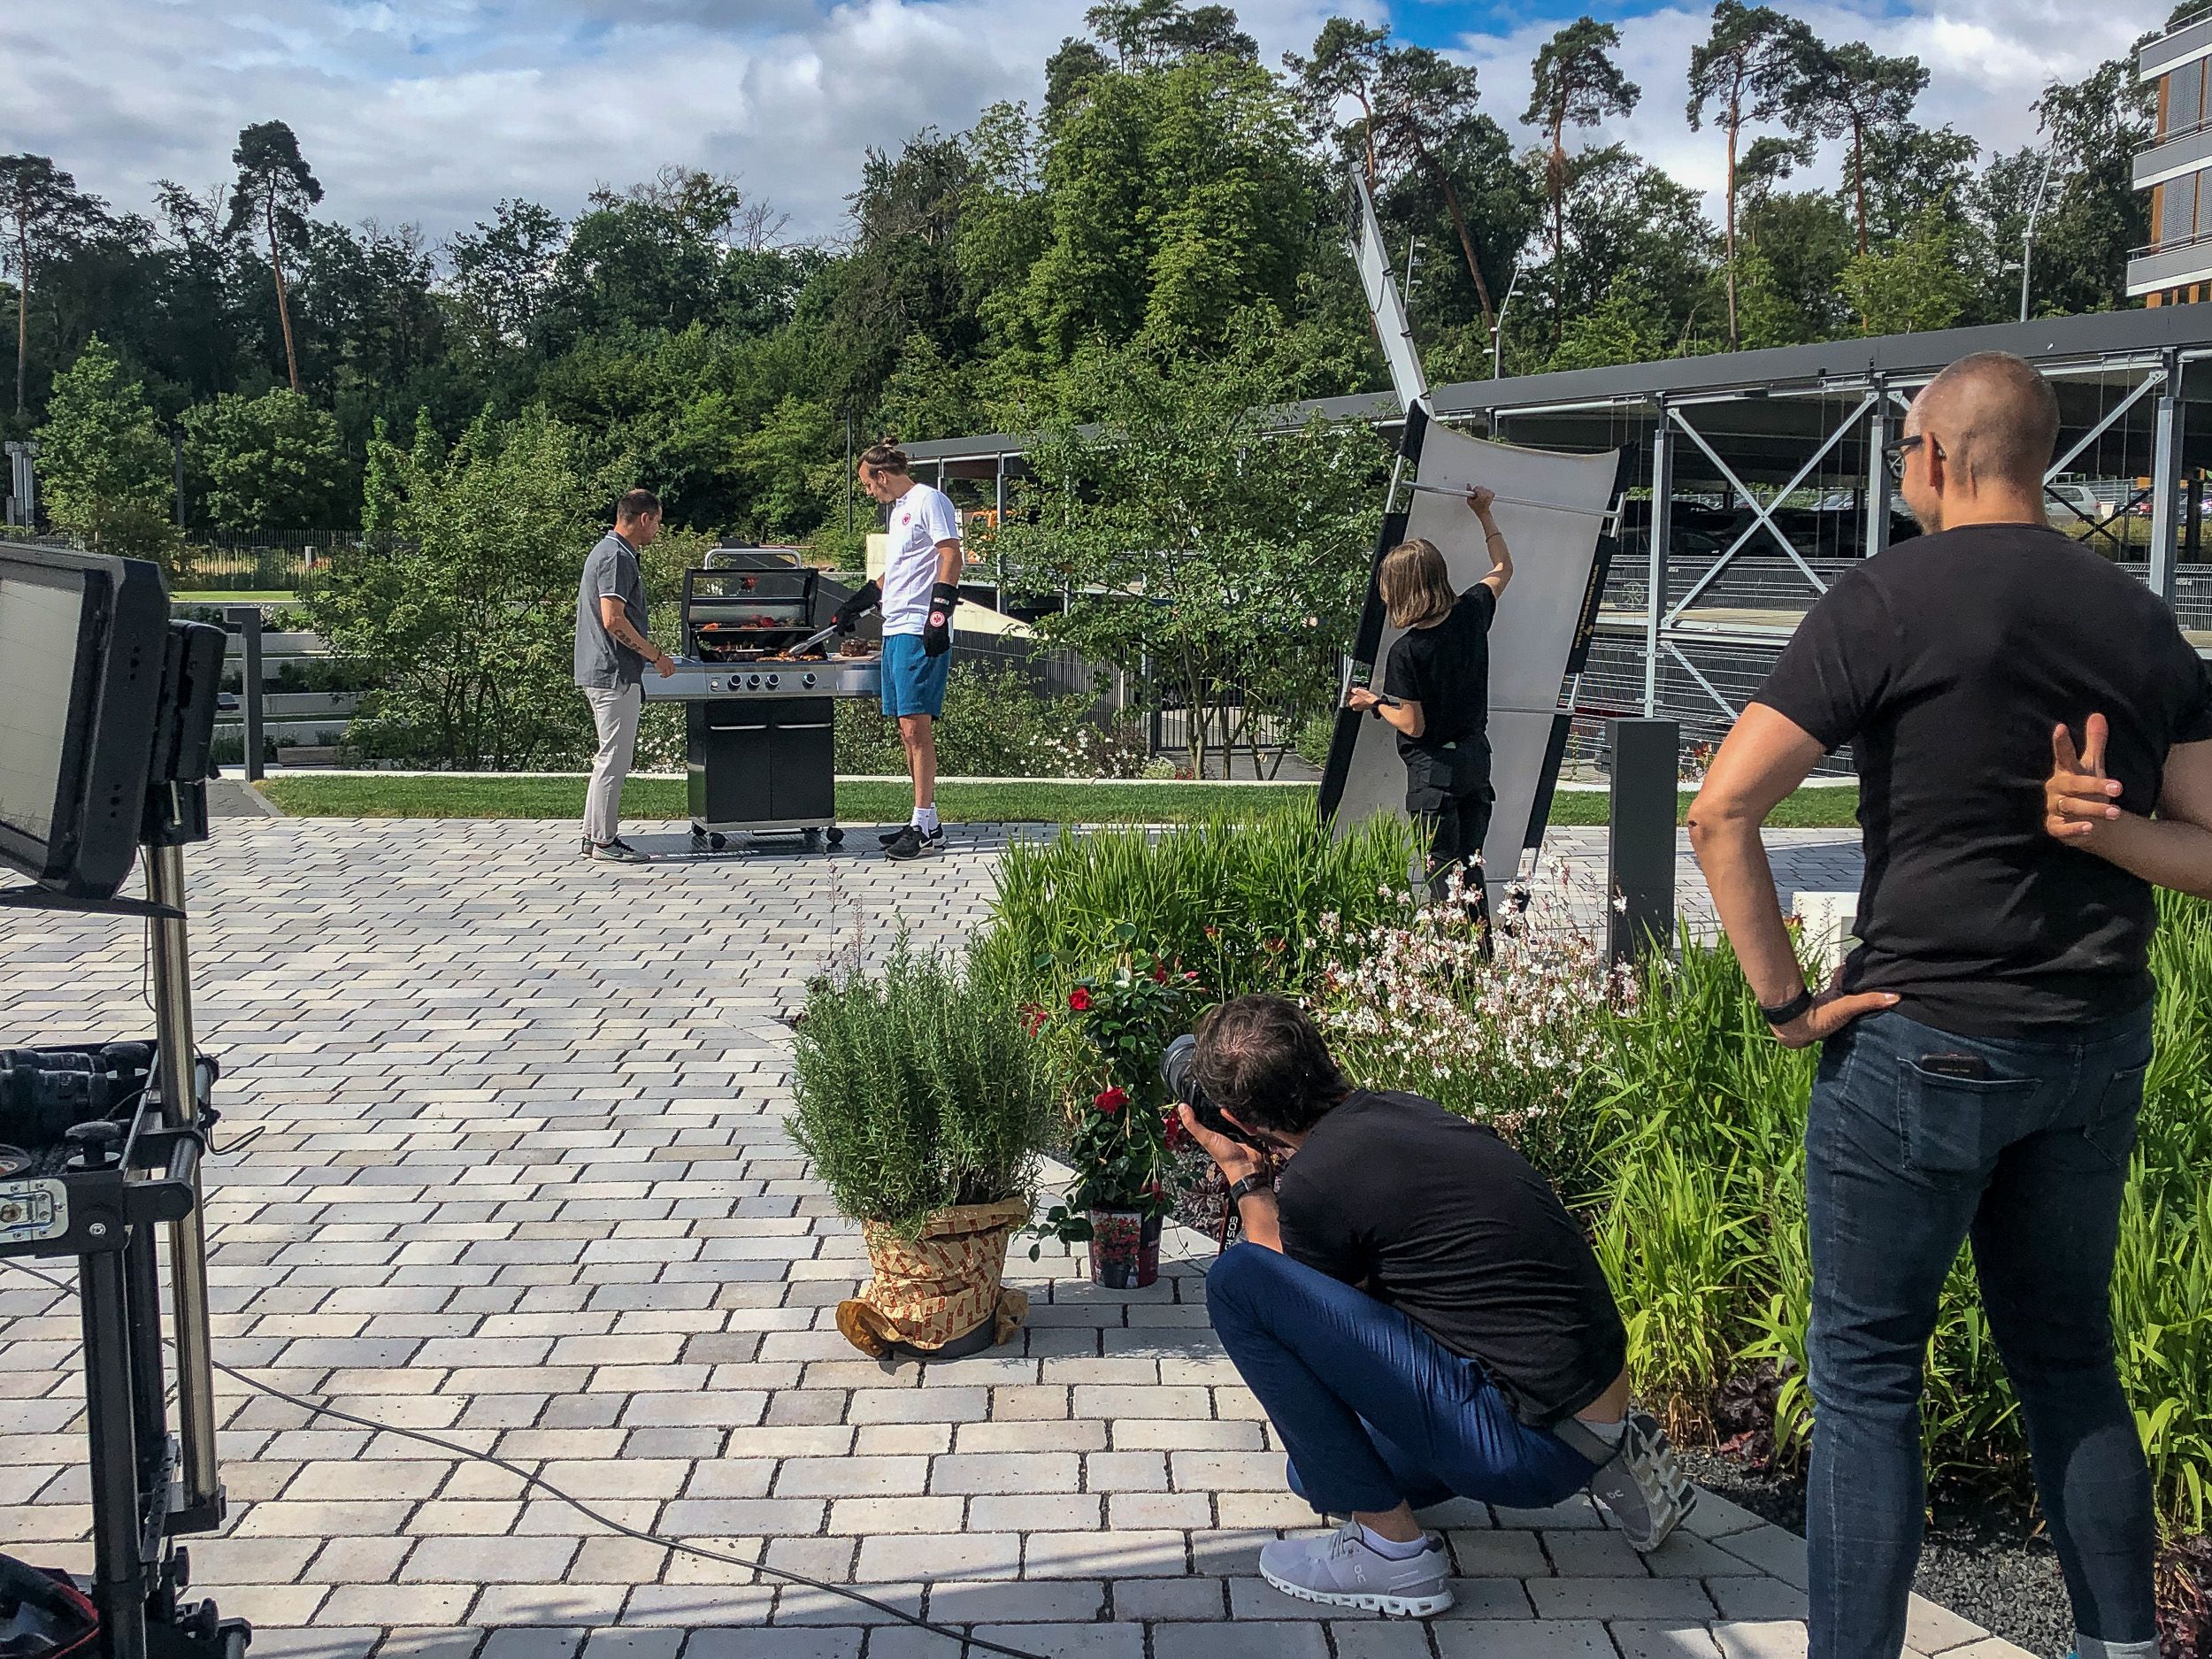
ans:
(614, 712)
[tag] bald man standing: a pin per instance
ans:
(1983, 1049)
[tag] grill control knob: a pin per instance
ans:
(771, 682)
(807, 680)
(752, 683)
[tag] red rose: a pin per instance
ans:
(1112, 1100)
(1079, 998)
(1171, 1125)
(1159, 976)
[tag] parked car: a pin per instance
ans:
(2080, 500)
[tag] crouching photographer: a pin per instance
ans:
(1417, 1312)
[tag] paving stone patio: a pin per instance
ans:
(523, 1181)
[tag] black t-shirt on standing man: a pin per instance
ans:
(1445, 669)
(1945, 663)
(1441, 1219)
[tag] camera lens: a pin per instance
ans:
(1175, 1067)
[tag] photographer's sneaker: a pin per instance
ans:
(617, 851)
(935, 840)
(1342, 1569)
(1642, 1487)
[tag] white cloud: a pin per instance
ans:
(431, 111)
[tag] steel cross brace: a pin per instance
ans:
(1690, 668)
(2154, 377)
(1762, 515)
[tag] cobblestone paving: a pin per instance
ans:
(523, 1181)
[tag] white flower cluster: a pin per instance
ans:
(1500, 1034)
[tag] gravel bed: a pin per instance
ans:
(1982, 1564)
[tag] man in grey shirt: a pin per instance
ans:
(611, 654)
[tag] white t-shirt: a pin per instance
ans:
(920, 520)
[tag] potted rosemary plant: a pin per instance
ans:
(923, 1103)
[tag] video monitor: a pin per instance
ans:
(83, 644)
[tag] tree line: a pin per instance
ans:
(1171, 199)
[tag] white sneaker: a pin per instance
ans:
(1343, 1570)
(1642, 1487)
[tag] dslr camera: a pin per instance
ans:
(1175, 1071)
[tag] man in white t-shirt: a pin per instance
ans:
(920, 587)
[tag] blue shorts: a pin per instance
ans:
(913, 681)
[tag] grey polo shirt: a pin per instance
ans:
(611, 572)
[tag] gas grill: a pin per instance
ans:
(759, 717)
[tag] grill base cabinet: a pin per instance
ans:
(762, 766)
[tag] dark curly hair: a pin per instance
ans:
(1260, 1059)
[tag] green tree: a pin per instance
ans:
(1627, 222)
(266, 462)
(1577, 84)
(1750, 64)
(785, 469)
(275, 186)
(1913, 286)
(1417, 115)
(1851, 91)
(104, 466)
(2096, 216)
(461, 601)
(1200, 540)
(41, 207)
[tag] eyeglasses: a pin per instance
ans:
(1894, 454)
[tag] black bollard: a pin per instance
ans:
(1640, 838)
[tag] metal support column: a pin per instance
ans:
(1877, 492)
(1644, 757)
(1661, 543)
(247, 621)
(2165, 481)
(188, 1243)
(998, 523)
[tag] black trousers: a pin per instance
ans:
(1450, 794)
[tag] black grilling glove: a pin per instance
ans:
(859, 605)
(937, 633)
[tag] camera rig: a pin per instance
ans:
(101, 1145)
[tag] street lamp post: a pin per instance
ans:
(2035, 209)
(1497, 329)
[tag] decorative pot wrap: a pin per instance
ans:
(930, 1291)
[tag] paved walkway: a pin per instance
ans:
(524, 1182)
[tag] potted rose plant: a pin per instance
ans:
(1124, 1133)
(925, 1103)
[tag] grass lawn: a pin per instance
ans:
(234, 596)
(1046, 801)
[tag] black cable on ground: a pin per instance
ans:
(578, 1504)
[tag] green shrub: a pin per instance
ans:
(918, 1090)
(1243, 904)
(1696, 1193)
(994, 725)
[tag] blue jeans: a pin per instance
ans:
(1902, 1164)
(1372, 1408)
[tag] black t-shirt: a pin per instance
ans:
(1945, 663)
(1445, 669)
(1441, 1219)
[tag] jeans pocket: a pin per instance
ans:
(2111, 1126)
(1955, 1125)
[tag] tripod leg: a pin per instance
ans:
(119, 1573)
(150, 1418)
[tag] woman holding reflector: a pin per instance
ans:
(1436, 694)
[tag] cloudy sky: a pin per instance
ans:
(431, 111)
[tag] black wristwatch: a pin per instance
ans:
(1790, 1011)
(1258, 1181)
